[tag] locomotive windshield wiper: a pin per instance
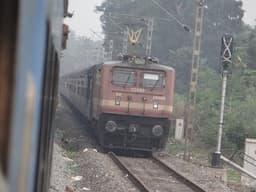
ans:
(155, 84)
(127, 80)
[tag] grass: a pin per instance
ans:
(233, 175)
(201, 155)
(175, 147)
(71, 154)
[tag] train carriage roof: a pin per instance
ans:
(145, 66)
(83, 72)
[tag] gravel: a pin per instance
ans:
(100, 174)
(60, 177)
(78, 161)
(153, 176)
(197, 174)
(80, 165)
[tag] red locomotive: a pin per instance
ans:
(129, 103)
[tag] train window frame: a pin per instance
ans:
(161, 75)
(124, 84)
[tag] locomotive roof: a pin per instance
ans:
(148, 66)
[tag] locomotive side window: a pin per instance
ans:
(124, 77)
(153, 80)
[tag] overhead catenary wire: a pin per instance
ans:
(96, 34)
(143, 17)
(116, 24)
(171, 15)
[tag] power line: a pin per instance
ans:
(149, 25)
(171, 15)
(143, 17)
(96, 34)
(116, 24)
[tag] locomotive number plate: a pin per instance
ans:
(138, 90)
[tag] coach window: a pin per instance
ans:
(152, 80)
(124, 77)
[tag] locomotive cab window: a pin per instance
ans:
(123, 77)
(152, 80)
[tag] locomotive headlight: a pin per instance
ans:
(155, 105)
(117, 100)
(157, 130)
(111, 126)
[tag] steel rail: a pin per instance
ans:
(179, 176)
(137, 182)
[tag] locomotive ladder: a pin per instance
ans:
(191, 100)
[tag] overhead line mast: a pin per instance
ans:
(150, 29)
(191, 100)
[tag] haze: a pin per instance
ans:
(86, 20)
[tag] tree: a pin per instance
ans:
(180, 60)
(207, 107)
(252, 50)
(220, 17)
(167, 34)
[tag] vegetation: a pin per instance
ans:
(233, 176)
(71, 154)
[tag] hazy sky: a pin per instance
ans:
(250, 13)
(85, 20)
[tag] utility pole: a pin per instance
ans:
(125, 41)
(226, 62)
(111, 45)
(102, 54)
(150, 29)
(191, 100)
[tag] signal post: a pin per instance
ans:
(225, 69)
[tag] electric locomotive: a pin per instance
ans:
(129, 103)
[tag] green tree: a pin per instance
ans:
(207, 109)
(180, 60)
(252, 50)
(220, 17)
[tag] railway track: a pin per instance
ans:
(152, 175)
